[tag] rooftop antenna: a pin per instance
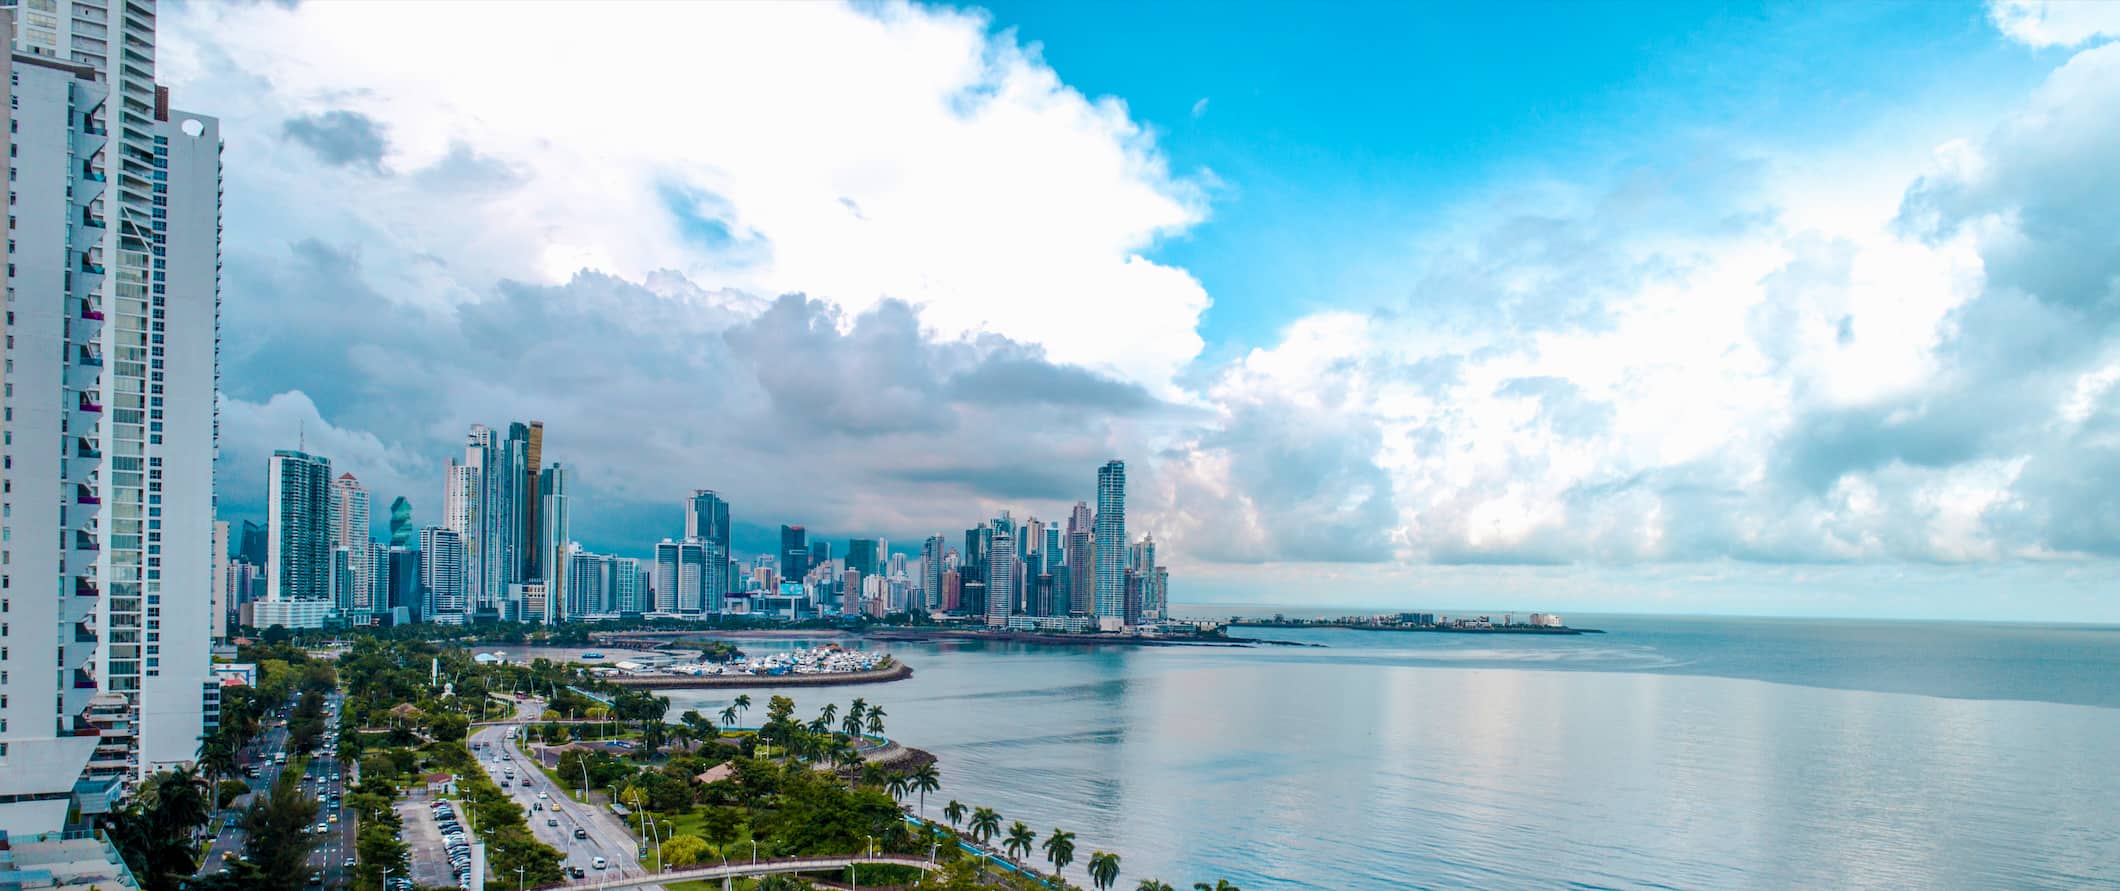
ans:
(301, 435)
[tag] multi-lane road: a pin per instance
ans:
(324, 780)
(553, 814)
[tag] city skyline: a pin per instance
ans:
(1577, 335)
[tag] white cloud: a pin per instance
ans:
(857, 155)
(2045, 23)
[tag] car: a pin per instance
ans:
(334, 818)
(577, 872)
(316, 878)
(322, 828)
(228, 855)
(349, 863)
(543, 795)
(597, 863)
(526, 782)
(580, 832)
(552, 821)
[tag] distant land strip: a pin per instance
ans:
(896, 671)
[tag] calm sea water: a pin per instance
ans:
(1668, 753)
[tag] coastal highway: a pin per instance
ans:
(607, 836)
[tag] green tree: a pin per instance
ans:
(1103, 869)
(1219, 885)
(953, 812)
(1020, 840)
(924, 779)
(1060, 850)
(986, 823)
(898, 785)
(1154, 885)
(742, 703)
(858, 710)
(684, 850)
(277, 840)
(153, 832)
(875, 720)
(728, 716)
(721, 824)
(826, 716)
(227, 791)
(448, 728)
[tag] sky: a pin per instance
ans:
(1791, 309)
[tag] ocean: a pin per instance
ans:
(1665, 753)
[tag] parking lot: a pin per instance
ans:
(423, 837)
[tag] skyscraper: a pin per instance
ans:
(113, 285)
(794, 553)
(552, 540)
(468, 509)
(680, 573)
(533, 495)
(444, 574)
(350, 530)
(1001, 590)
(1110, 544)
(250, 546)
(1081, 577)
(402, 532)
(707, 520)
(862, 556)
(298, 526)
(931, 572)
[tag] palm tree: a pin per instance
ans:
(1154, 885)
(855, 712)
(985, 824)
(742, 703)
(876, 721)
(1103, 869)
(953, 812)
(899, 785)
(1219, 885)
(1060, 850)
(1020, 840)
(819, 725)
(925, 779)
(728, 716)
(830, 713)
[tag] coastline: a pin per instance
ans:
(1422, 629)
(896, 671)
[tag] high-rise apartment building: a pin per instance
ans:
(111, 364)
(444, 574)
(931, 557)
(1110, 544)
(1081, 576)
(298, 526)
(350, 530)
(552, 538)
(1001, 590)
(680, 572)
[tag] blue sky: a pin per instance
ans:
(1790, 308)
(1343, 131)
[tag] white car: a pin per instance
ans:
(541, 794)
(597, 863)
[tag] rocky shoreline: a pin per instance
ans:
(896, 671)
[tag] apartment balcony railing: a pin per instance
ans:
(91, 407)
(90, 312)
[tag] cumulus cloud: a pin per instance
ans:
(863, 154)
(896, 292)
(2055, 22)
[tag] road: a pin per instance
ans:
(608, 837)
(328, 860)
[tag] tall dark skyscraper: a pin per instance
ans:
(707, 519)
(820, 553)
(862, 556)
(250, 547)
(794, 553)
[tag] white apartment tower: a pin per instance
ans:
(1001, 578)
(1109, 547)
(443, 573)
(111, 368)
(350, 530)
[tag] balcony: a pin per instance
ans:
(84, 588)
(90, 312)
(83, 497)
(83, 450)
(90, 406)
(90, 357)
(85, 542)
(91, 268)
